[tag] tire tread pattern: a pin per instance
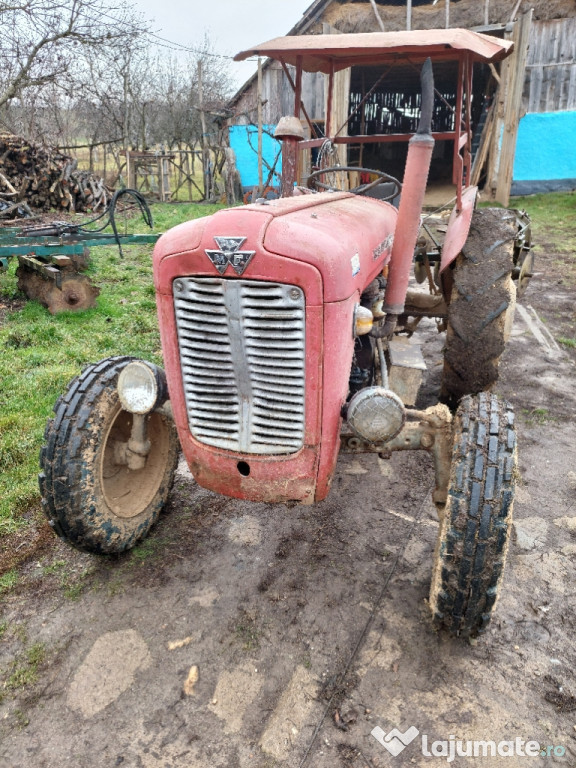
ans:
(475, 528)
(71, 511)
(483, 295)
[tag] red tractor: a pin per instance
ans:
(284, 328)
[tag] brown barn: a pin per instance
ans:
(540, 85)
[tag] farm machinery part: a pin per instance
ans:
(428, 252)
(284, 328)
(52, 259)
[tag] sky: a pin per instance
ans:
(232, 25)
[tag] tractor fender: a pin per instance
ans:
(458, 227)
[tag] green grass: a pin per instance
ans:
(553, 229)
(567, 342)
(8, 581)
(58, 567)
(247, 632)
(25, 669)
(146, 551)
(72, 583)
(40, 353)
(551, 215)
(538, 416)
(556, 210)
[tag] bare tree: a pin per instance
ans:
(148, 97)
(81, 72)
(41, 39)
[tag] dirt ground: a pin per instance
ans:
(257, 635)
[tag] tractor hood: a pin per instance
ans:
(345, 237)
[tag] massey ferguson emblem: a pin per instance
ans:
(229, 253)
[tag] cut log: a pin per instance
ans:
(45, 178)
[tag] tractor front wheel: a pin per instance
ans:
(476, 520)
(90, 495)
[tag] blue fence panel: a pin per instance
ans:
(244, 142)
(545, 147)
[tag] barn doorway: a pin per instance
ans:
(386, 101)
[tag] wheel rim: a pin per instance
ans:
(129, 492)
(526, 269)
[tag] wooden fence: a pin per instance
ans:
(550, 84)
(168, 175)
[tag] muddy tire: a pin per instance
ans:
(475, 524)
(91, 500)
(481, 305)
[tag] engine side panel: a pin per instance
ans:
(338, 352)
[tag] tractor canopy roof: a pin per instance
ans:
(326, 53)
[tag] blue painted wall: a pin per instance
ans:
(545, 153)
(247, 158)
(546, 148)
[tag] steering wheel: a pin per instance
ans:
(361, 189)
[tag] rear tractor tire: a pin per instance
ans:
(476, 520)
(90, 496)
(481, 305)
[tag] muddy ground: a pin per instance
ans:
(270, 635)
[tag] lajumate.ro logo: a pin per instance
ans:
(396, 742)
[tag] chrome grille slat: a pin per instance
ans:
(256, 342)
(218, 399)
(289, 372)
(289, 355)
(278, 397)
(200, 317)
(242, 356)
(279, 426)
(270, 406)
(215, 330)
(203, 310)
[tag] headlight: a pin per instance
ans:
(142, 387)
(376, 414)
(363, 320)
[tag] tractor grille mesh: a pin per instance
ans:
(242, 346)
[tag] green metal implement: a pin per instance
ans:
(16, 241)
(51, 257)
(51, 260)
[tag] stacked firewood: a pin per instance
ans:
(33, 176)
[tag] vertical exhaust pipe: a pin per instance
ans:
(408, 223)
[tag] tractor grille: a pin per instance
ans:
(242, 346)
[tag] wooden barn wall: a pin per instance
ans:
(550, 84)
(279, 97)
(551, 72)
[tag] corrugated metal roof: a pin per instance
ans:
(319, 51)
